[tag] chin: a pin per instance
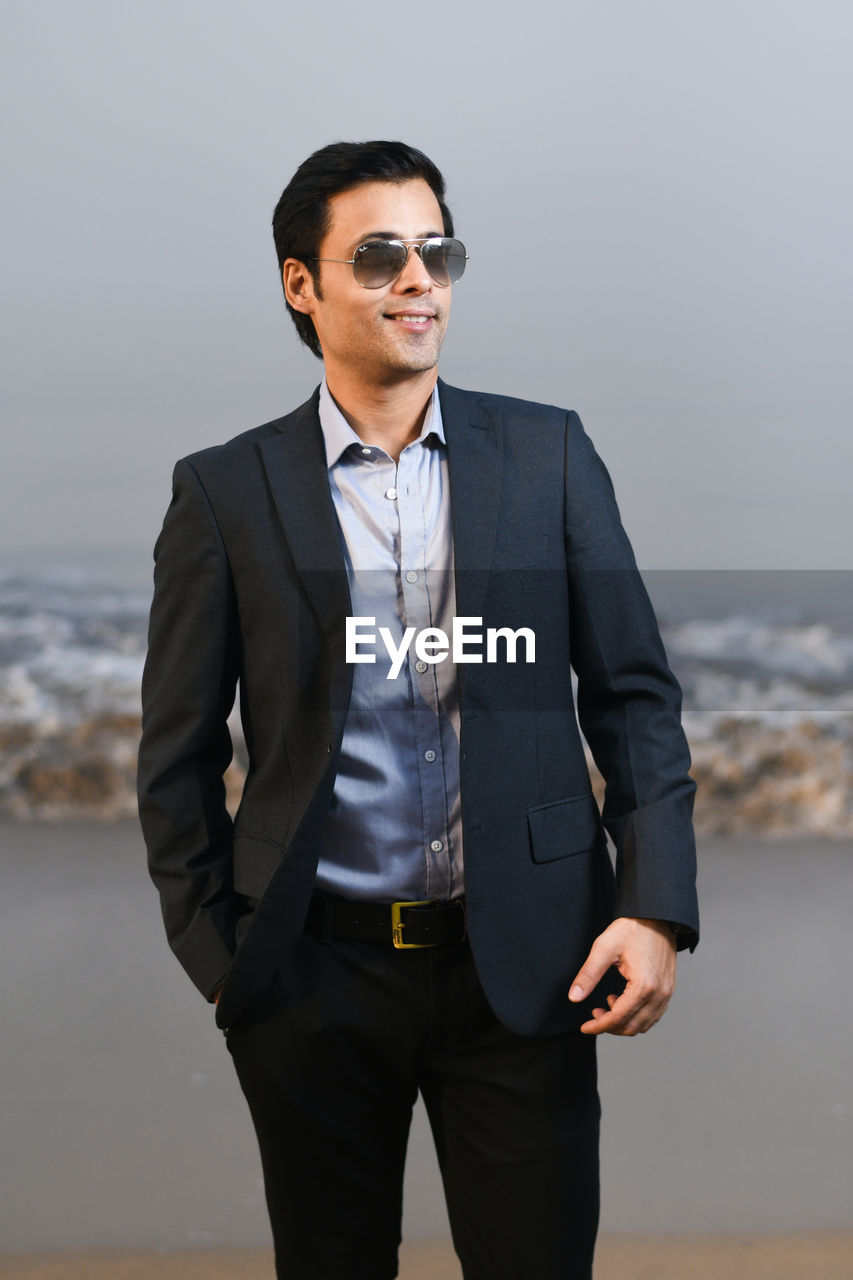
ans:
(419, 361)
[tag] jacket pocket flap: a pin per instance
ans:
(563, 828)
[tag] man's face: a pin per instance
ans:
(382, 335)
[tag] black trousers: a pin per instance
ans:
(331, 1061)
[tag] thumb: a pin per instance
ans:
(592, 970)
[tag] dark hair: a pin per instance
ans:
(301, 217)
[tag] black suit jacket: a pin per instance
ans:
(250, 585)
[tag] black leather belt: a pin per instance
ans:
(430, 923)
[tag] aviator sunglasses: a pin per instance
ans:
(378, 262)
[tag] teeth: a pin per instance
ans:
(415, 319)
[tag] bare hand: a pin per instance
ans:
(644, 953)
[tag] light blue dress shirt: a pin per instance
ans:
(394, 832)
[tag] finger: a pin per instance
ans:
(627, 1022)
(593, 969)
(599, 1013)
(606, 1026)
(624, 1010)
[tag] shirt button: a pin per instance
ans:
(436, 846)
(429, 755)
(390, 494)
(411, 576)
(367, 452)
(421, 667)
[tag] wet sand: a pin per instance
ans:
(123, 1127)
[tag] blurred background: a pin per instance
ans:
(656, 197)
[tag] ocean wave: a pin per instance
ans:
(815, 653)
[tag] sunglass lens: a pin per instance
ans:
(378, 262)
(444, 259)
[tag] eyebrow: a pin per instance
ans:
(394, 235)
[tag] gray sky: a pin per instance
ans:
(655, 195)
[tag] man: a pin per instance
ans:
(340, 562)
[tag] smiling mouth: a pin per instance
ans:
(413, 319)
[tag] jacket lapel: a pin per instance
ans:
(474, 456)
(295, 462)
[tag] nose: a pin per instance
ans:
(414, 278)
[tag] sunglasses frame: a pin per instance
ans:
(419, 244)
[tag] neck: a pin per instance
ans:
(389, 416)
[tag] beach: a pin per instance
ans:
(727, 1138)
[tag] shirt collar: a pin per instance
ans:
(338, 435)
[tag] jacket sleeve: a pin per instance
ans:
(629, 703)
(188, 690)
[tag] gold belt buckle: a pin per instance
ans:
(397, 925)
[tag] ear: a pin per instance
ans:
(298, 285)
